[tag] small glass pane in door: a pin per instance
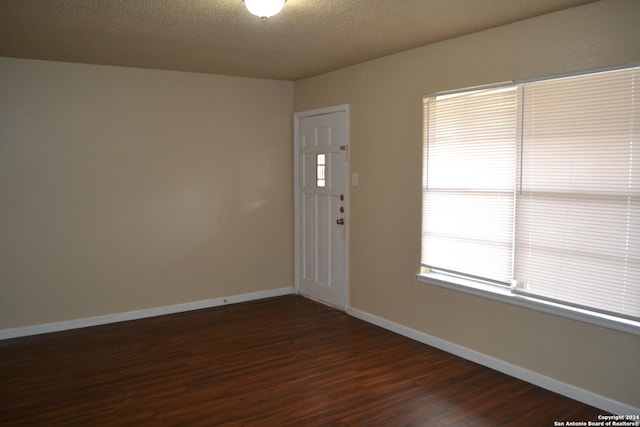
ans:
(320, 170)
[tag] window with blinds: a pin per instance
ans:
(469, 183)
(536, 185)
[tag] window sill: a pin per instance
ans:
(502, 294)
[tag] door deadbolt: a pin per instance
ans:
(340, 221)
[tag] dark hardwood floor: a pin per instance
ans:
(282, 361)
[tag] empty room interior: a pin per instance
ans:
(162, 189)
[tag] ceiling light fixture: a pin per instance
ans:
(264, 8)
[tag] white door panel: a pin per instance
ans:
(321, 205)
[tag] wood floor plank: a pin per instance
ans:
(284, 361)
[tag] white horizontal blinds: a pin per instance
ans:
(469, 182)
(578, 209)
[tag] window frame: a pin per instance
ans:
(504, 294)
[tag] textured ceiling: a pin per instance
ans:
(307, 38)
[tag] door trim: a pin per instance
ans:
(343, 108)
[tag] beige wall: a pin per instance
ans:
(386, 132)
(123, 189)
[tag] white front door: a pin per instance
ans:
(321, 165)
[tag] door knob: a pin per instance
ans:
(340, 221)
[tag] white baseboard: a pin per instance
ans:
(531, 377)
(139, 314)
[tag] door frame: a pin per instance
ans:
(342, 108)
